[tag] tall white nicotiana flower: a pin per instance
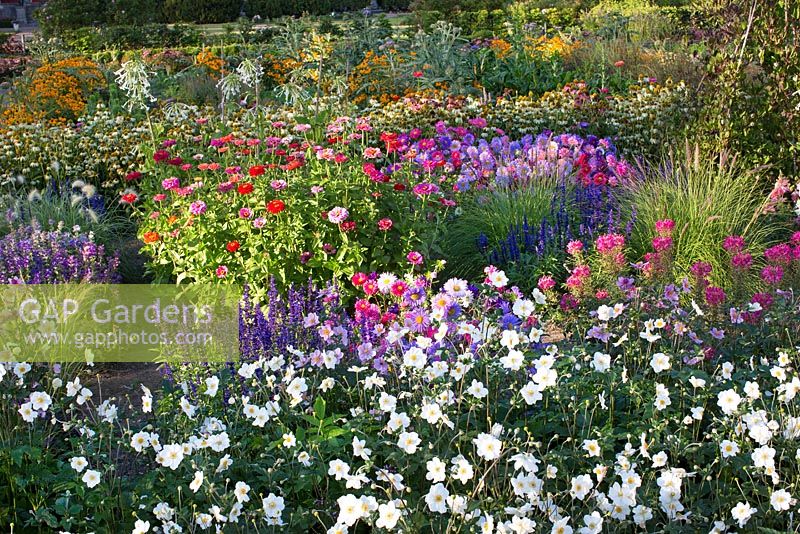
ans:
(250, 72)
(134, 80)
(230, 85)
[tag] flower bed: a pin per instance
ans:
(460, 406)
(288, 206)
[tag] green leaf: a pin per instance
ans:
(319, 408)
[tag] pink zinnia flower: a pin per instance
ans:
(338, 215)
(278, 185)
(372, 153)
(198, 207)
(415, 258)
(245, 213)
(222, 271)
(425, 188)
(385, 225)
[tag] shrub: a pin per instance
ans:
(59, 15)
(752, 102)
(128, 37)
(201, 11)
(395, 5)
(277, 8)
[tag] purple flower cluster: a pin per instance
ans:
(31, 255)
(458, 155)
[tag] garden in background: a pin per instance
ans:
(505, 266)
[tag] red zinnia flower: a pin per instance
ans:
(256, 170)
(294, 164)
(160, 155)
(129, 198)
(233, 246)
(135, 175)
(276, 206)
(245, 188)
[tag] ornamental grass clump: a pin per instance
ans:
(709, 198)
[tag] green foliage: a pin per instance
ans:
(543, 15)
(709, 198)
(636, 20)
(395, 5)
(201, 11)
(59, 15)
(93, 39)
(270, 9)
(752, 100)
